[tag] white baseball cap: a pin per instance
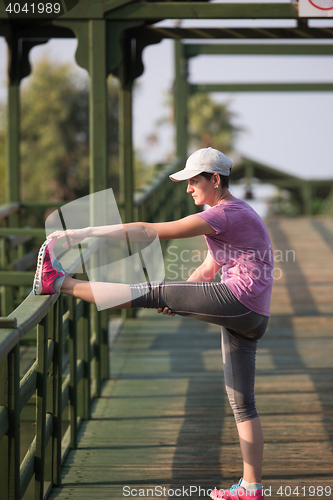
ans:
(204, 160)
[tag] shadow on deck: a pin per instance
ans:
(164, 421)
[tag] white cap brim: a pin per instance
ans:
(184, 175)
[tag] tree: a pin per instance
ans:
(210, 124)
(55, 134)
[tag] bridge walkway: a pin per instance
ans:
(164, 421)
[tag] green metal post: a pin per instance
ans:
(306, 193)
(126, 170)
(105, 345)
(73, 372)
(98, 106)
(180, 101)
(57, 394)
(13, 122)
(42, 344)
(126, 173)
(249, 181)
(181, 93)
(87, 362)
(10, 445)
(98, 126)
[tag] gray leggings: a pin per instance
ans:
(241, 330)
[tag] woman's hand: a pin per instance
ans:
(165, 311)
(73, 236)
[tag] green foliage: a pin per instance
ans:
(326, 207)
(143, 173)
(210, 124)
(55, 134)
(282, 203)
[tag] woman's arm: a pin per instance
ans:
(183, 228)
(139, 231)
(206, 271)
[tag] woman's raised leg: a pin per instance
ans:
(102, 294)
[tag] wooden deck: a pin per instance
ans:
(164, 421)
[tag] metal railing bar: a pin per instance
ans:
(27, 468)
(28, 383)
(79, 309)
(65, 445)
(59, 350)
(65, 393)
(9, 324)
(65, 330)
(66, 389)
(16, 278)
(93, 388)
(142, 195)
(3, 421)
(22, 231)
(9, 209)
(33, 309)
(42, 204)
(65, 316)
(93, 349)
(47, 489)
(8, 340)
(80, 370)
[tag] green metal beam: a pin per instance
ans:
(203, 10)
(299, 32)
(262, 87)
(192, 50)
(18, 231)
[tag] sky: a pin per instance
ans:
(289, 131)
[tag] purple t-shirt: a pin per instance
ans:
(241, 245)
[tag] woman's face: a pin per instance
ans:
(202, 190)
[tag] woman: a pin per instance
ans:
(239, 243)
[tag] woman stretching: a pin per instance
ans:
(238, 242)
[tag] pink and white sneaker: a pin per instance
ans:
(48, 269)
(237, 492)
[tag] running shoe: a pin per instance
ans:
(48, 269)
(237, 492)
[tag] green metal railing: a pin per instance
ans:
(71, 356)
(69, 332)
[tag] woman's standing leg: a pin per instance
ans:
(252, 444)
(239, 355)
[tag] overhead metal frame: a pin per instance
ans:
(111, 37)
